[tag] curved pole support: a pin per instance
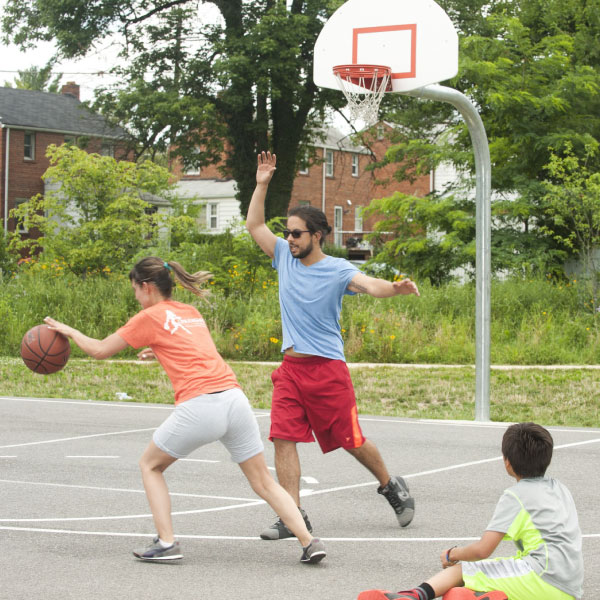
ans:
(483, 234)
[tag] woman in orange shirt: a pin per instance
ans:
(209, 404)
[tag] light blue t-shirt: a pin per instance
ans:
(311, 302)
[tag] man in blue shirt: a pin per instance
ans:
(312, 389)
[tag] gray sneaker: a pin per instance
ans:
(278, 531)
(396, 493)
(314, 552)
(157, 553)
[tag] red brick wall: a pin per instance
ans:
(25, 176)
(344, 186)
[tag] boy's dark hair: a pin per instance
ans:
(314, 218)
(528, 447)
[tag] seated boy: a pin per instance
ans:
(538, 514)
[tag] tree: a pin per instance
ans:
(93, 217)
(532, 69)
(245, 80)
(36, 78)
(573, 201)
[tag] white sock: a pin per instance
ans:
(165, 544)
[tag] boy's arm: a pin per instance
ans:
(380, 288)
(255, 221)
(95, 348)
(478, 550)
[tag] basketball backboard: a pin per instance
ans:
(416, 38)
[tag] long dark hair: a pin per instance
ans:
(314, 218)
(157, 271)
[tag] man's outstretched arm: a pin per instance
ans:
(380, 288)
(255, 221)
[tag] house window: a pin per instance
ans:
(380, 132)
(70, 140)
(355, 165)
(303, 170)
(303, 202)
(108, 149)
(329, 163)
(338, 215)
(20, 227)
(358, 218)
(29, 146)
(212, 213)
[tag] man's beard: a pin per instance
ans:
(304, 253)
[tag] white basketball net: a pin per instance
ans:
(364, 92)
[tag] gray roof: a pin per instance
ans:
(336, 140)
(206, 189)
(52, 112)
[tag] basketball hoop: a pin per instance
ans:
(364, 86)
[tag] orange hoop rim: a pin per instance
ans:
(359, 74)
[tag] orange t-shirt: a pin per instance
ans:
(180, 339)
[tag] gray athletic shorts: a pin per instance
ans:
(224, 416)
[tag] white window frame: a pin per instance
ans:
(358, 218)
(212, 216)
(31, 145)
(355, 163)
(338, 225)
(328, 163)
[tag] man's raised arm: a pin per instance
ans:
(255, 221)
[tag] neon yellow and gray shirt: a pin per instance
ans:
(539, 515)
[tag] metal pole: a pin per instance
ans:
(483, 234)
(7, 150)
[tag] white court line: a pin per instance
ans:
(140, 516)
(203, 460)
(89, 456)
(438, 422)
(472, 424)
(9, 456)
(127, 490)
(78, 437)
(443, 469)
(308, 479)
(90, 403)
(255, 538)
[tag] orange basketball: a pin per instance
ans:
(45, 351)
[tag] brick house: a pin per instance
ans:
(339, 183)
(29, 122)
(336, 181)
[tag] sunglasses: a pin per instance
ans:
(296, 233)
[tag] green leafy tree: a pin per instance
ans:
(93, 217)
(36, 78)
(532, 68)
(424, 252)
(573, 201)
(242, 84)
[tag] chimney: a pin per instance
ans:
(70, 89)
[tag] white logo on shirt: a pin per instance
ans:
(174, 322)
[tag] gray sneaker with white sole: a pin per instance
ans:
(155, 552)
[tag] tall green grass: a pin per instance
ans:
(533, 321)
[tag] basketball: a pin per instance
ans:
(45, 351)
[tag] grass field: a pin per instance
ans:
(548, 396)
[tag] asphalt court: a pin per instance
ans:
(73, 507)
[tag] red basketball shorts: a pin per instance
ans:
(314, 395)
